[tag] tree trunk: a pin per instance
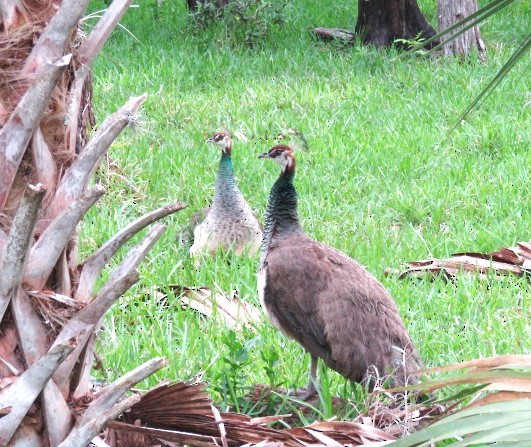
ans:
(451, 12)
(49, 311)
(382, 22)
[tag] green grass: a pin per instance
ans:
(382, 181)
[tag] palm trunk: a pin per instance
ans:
(46, 169)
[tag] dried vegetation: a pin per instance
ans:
(505, 261)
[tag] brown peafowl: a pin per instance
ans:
(325, 300)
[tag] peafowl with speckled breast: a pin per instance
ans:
(229, 223)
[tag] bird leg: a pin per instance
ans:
(311, 391)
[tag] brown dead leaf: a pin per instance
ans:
(367, 430)
(167, 405)
(233, 311)
(183, 414)
(269, 419)
(505, 261)
(329, 442)
(154, 436)
(503, 396)
(499, 361)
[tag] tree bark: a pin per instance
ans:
(382, 22)
(451, 12)
(47, 334)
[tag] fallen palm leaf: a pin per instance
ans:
(233, 311)
(505, 261)
(499, 412)
(184, 414)
(389, 413)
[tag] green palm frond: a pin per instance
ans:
(517, 55)
(498, 414)
(503, 424)
(461, 27)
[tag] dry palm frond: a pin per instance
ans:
(514, 260)
(233, 311)
(184, 414)
(54, 308)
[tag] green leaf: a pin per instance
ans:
(507, 434)
(518, 54)
(494, 418)
(461, 27)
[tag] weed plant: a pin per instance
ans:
(247, 21)
(382, 180)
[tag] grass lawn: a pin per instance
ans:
(382, 180)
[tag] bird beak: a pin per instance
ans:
(210, 140)
(264, 155)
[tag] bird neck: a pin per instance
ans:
(281, 215)
(226, 188)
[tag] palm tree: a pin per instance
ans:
(49, 310)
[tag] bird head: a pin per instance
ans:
(283, 155)
(223, 140)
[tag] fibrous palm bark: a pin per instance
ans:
(49, 310)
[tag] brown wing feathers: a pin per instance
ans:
(322, 298)
(334, 308)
